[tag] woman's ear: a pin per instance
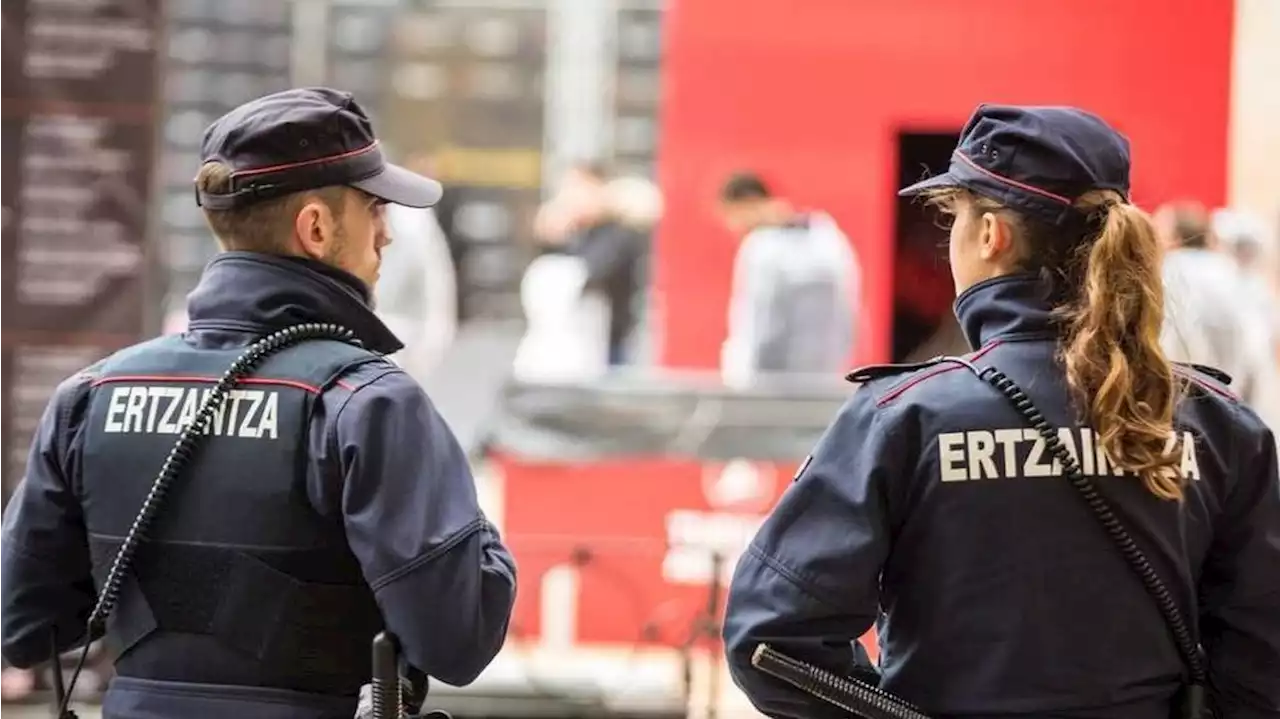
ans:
(994, 237)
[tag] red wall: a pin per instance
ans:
(556, 511)
(813, 95)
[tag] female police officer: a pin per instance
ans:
(932, 506)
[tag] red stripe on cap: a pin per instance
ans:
(290, 165)
(1014, 183)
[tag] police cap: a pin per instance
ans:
(1037, 160)
(304, 139)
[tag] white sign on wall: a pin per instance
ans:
(739, 493)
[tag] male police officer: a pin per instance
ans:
(328, 499)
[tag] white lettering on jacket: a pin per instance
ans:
(1018, 453)
(160, 409)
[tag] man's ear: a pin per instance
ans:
(994, 239)
(313, 229)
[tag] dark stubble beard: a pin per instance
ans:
(333, 259)
(334, 255)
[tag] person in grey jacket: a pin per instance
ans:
(796, 285)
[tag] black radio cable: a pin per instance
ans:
(1193, 701)
(1182, 635)
(874, 703)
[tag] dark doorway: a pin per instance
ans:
(923, 325)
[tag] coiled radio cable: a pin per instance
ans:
(1193, 704)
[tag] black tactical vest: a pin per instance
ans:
(241, 581)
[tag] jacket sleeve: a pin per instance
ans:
(808, 583)
(46, 578)
(1240, 587)
(441, 575)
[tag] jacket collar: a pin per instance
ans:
(261, 292)
(1006, 307)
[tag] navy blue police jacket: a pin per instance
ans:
(378, 468)
(930, 511)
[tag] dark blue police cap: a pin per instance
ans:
(304, 139)
(1035, 159)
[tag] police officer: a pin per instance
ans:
(931, 509)
(327, 501)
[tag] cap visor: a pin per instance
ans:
(402, 187)
(944, 180)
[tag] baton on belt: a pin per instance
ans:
(851, 695)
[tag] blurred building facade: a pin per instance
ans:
(499, 94)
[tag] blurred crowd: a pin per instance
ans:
(795, 284)
(795, 304)
(1221, 303)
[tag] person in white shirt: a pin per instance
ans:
(1211, 317)
(416, 295)
(1244, 238)
(581, 295)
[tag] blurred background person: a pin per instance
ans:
(593, 235)
(796, 286)
(417, 292)
(445, 212)
(566, 335)
(605, 229)
(635, 204)
(1243, 237)
(1210, 318)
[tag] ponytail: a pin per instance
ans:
(1115, 367)
(1111, 307)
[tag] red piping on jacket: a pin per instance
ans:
(897, 391)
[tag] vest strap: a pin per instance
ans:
(266, 614)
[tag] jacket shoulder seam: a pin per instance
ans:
(900, 388)
(943, 366)
(1194, 375)
(377, 367)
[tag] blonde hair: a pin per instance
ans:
(262, 226)
(1112, 310)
